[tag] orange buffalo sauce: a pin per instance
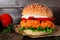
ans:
(49, 24)
(36, 23)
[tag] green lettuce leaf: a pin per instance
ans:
(21, 28)
(47, 29)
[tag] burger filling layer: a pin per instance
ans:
(37, 24)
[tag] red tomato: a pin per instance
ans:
(6, 19)
(0, 18)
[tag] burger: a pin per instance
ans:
(37, 20)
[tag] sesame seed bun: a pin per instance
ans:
(37, 10)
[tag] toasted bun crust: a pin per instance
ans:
(29, 32)
(37, 9)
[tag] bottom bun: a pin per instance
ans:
(29, 32)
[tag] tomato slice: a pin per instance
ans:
(32, 18)
(23, 18)
(45, 18)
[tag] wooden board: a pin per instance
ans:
(10, 36)
(55, 33)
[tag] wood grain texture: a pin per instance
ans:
(23, 3)
(12, 36)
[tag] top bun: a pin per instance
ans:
(37, 10)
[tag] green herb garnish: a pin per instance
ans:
(8, 29)
(21, 28)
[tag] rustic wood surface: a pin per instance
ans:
(10, 36)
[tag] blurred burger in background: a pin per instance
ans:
(36, 20)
